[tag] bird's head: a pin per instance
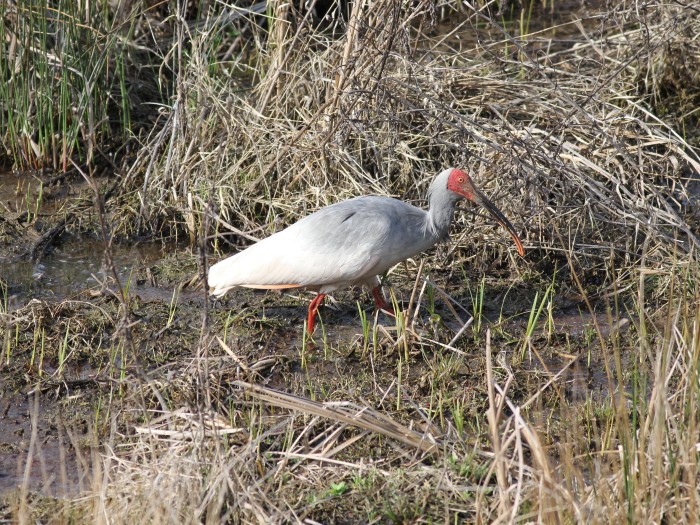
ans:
(460, 183)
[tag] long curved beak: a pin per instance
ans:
(481, 199)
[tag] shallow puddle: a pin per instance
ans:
(73, 267)
(570, 350)
(36, 455)
(71, 263)
(17, 191)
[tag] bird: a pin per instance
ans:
(351, 243)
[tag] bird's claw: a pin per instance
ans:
(388, 310)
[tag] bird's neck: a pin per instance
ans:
(440, 216)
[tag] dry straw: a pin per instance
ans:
(565, 135)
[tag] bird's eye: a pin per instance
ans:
(460, 179)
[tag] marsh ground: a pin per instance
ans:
(558, 387)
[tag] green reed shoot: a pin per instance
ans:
(324, 338)
(41, 351)
(305, 340)
(430, 297)
(32, 205)
(478, 306)
(457, 410)
(174, 301)
(34, 346)
(535, 312)
(365, 328)
(227, 324)
(63, 351)
(399, 375)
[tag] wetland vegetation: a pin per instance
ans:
(143, 141)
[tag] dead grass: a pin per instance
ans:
(416, 439)
(577, 134)
(563, 137)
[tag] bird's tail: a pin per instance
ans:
(219, 279)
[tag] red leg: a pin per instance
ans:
(313, 308)
(380, 303)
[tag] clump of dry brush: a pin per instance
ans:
(574, 130)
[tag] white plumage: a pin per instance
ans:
(349, 243)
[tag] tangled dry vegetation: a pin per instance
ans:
(583, 130)
(564, 134)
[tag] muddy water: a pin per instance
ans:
(16, 189)
(35, 454)
(583, 375)
(74, 266)
(73, 263)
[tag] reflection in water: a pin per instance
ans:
(73, 267)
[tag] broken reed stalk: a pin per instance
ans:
(361, 417)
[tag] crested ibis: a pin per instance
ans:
(351, 243)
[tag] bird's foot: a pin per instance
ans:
(313, 309)
(380, 303)
(388, 310)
